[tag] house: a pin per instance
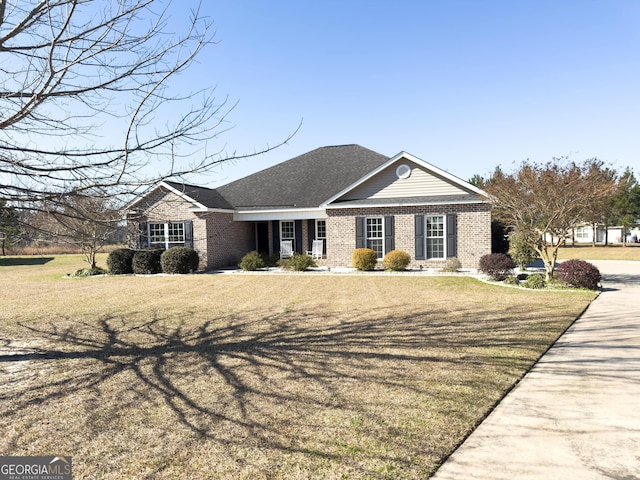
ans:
(347, 196)
(616, 234)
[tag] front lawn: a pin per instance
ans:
(259, 376)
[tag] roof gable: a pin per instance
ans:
(406, 176)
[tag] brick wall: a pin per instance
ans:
(219, 241)
(473, 232)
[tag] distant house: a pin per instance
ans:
(347, 196)
(586, 234)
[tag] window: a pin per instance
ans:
(375, 235)
(582, 232)
(321, 233)
(435, 236)
(287, 231)
(166, 235)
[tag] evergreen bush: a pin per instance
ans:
(364, 259)
(579, 274)
(179, 260)
(147, 262)
(520, 251)
(535, 280)
(452, 265)
(120, 261)
(396, 260)
(252, 261)
(497, 265)
(298, 262)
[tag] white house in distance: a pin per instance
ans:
(585, 235)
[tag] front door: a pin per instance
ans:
(262, 237)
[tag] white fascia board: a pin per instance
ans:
(211, 210)
(198, 206)
(407, 156)
(338, 206)
(279, 214)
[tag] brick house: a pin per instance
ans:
(347, 196)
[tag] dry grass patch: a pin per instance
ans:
(618, 252)
(260, 377)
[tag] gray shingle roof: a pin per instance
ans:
(305, 181)
(207, 196)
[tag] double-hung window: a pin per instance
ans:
(321, 233)
(166, 235)
(435, 236)
(288, 231)
(582, 232)
(375, 235)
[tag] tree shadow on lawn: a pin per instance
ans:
(243, 380)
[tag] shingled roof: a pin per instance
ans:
(305, 181)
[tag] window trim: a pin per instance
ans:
(293, 231)
(317, 233)
(166, 239)
(443, 237)
(381, 238)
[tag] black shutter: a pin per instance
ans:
(452, 236)
(389, 236)
(143, 241)
(361, 241)
(275, 234)
(419, 233)
(298, 234)
(311, 233)
(188, 233)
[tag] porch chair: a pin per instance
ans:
(286, 248)
(316, 249)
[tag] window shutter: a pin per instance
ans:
(419, 233)
(361, 241)
(298, 234)
(143, 239)
(311, 233)
(389, 236)
(452, 236)
(188, 233)
(275, 234)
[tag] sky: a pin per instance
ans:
(464, 85)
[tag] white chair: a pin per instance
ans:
(286, 248)
(317, 249)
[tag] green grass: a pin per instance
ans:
(630, 252)
(259, 376)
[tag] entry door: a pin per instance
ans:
(262, 237)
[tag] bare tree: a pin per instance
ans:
(87, 101)
(544, 202)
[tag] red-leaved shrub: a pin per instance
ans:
(497, 265)
(579, 274)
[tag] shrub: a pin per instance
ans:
(452, 265)
(120, 261)
(497, 265)
(520, 251)
(364, 259)
(179, 260)
(579, 274)
(147, 262)
(88, 272)
(535, 280)
(512, 280)
(298, 262)
(396, 260)
(252, 261)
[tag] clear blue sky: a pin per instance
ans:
(465, 85)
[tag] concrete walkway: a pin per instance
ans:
(576, 415)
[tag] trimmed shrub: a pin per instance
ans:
(396, 260)
(535, 280)
(88, 272)
(452, 265)
(120, 261)
(252, 261)
(520, 251)
(298, 262)
(147, 262)
(179, 260)
(497, 265)
(579, 274)
(364, 259)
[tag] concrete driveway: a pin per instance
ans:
(576, 415)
